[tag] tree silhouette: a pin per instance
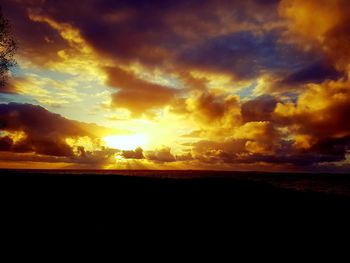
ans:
(7, 49)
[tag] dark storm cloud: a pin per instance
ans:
(209, 107)
(321, 111)
(9, 87)
(337, 40)
(258, 109)
(326, 29)
(136, 94)
(239, 38)
(234, 37)
(37, 41)
(162, 155)
(5, 143)
(245, 55)
(330, 150)
(133, 154)
(314, 73)
(44, 131)
(152, 32)
(31, 119)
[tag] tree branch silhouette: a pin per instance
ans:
(8, 48)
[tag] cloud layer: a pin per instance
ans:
(252, 84)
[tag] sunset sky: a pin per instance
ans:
(223, 85)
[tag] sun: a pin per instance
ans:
(125, 142)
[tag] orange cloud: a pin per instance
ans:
(321, 110)
(213, 112)
(136, 94)
(43, 132)
(232, 71)
(320, 23)
(311, 19)
(136, 154)
(161, 155)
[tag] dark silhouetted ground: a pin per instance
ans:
(162, 204)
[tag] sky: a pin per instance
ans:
(196, 84)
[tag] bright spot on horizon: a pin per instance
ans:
(125, 142)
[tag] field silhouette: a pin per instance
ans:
(124, 203)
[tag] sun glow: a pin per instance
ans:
(125, 142)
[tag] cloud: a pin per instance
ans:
(9, 87)
(235, 37)
(37, 41)
(93, 160)
(327, 29)
(192, 134)
(5, 143)
(286, 156)
(245, 55)
(153, 38)
(260, 82)
(208, 109)
(157, 156)
(136, 154)
(320, 111)
(161, 155)
(136, 94)
(317, 72)
(258, 109)
(43, 132)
